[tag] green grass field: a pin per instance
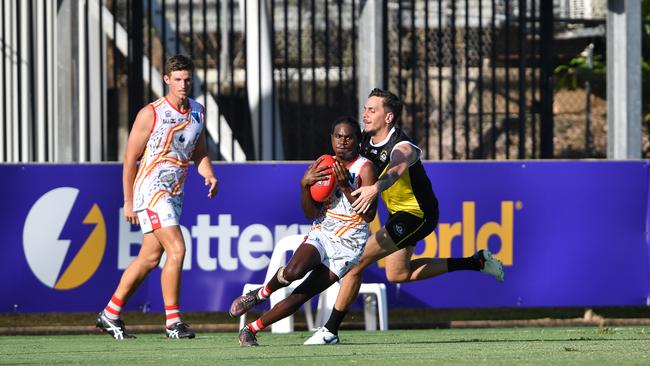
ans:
(502, 346)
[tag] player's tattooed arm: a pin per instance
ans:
(402, 156)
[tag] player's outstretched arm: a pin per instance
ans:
(135, 146)
(368, 177)
(313, 174)
(204, 165)
(402, 156)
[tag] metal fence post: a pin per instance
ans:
(546, 79)
(259, 82)
(624, 79)
(371, 53)
(136, 45)
(589, 53)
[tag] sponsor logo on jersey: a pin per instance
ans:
(57, 258)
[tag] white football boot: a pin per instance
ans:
(491, 265)
(322, 336)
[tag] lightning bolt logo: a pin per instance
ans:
(46, 251)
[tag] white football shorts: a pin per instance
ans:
(164, 213)
(335, 256)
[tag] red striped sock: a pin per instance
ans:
(173, 315)
(264, 292)
(114, 308)
(255, 326)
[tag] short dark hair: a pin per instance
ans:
(351, 121)
(178, 63)
(390, 102)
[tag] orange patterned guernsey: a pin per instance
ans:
(158, 186)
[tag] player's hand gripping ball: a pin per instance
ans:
(323, 189)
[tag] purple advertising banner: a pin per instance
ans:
(568, 233)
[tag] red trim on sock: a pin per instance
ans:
(117, 301)
(111, 310)
(173, 316)
(262, 293)
(255, 326)
(259, 325)
(172, 307)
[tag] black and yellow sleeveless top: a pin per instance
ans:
(412, 192)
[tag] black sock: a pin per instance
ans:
(334, 322)
(460, 264)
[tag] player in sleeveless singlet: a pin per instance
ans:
(336, 239)
(158, 187)
(166, 135)
(413, 212)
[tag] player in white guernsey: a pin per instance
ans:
(166, 135)
(335, 242)
(158, 187)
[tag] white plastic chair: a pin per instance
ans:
(326, 300)
(374, 302)
(286, 245)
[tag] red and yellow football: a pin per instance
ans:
(322, 190)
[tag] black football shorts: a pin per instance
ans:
(407, 229)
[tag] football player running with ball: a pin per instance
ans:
(412, 207)
(336, 240)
